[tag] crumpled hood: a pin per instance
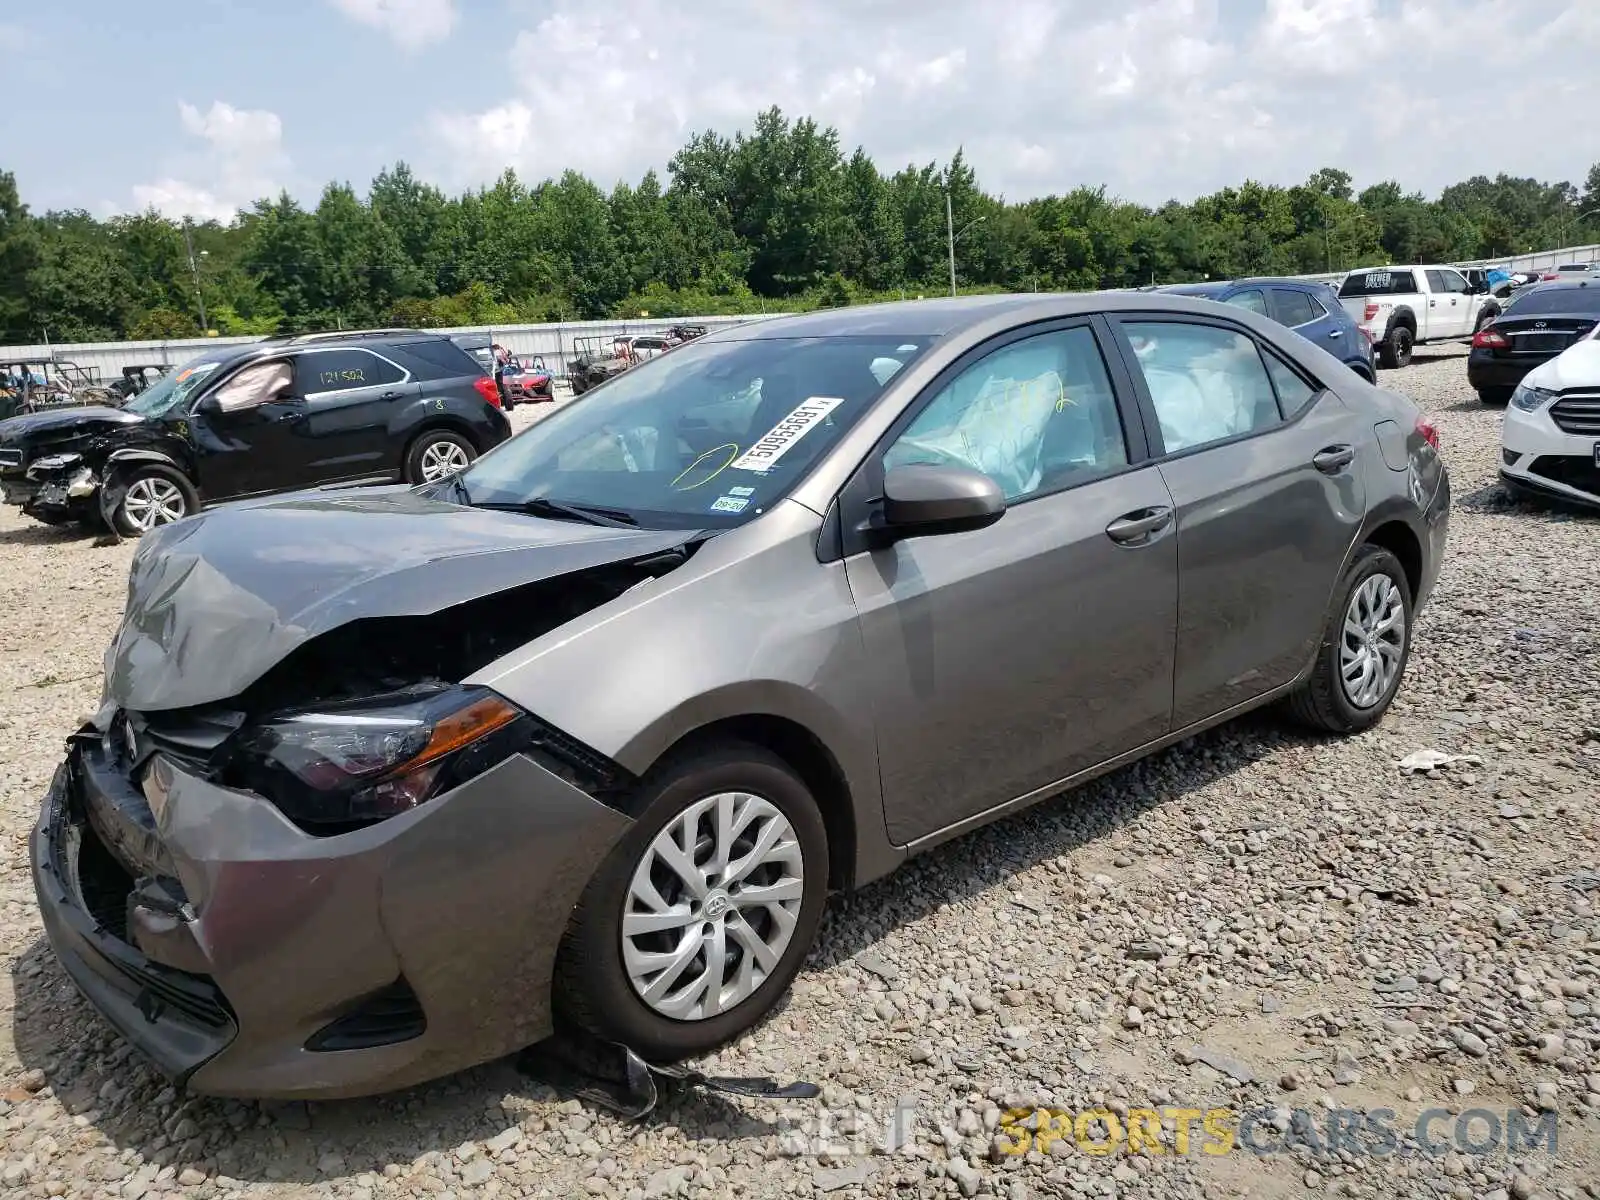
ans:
(216, 601)
(15, 430)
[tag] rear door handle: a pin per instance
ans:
(390, 396)
(1137, 528)
(1335, 333)
(1334, 459)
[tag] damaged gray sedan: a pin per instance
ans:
(389, 781)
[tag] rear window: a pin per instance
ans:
(445, 356)
(1563, 299)
(1380, 281)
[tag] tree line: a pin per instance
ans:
(777, 217)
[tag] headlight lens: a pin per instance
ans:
(341, 765)
(1531, 399)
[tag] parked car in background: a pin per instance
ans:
(247, 420)
(1550, 438)
(1538, 323)
(1404, 307)
(596, 725)
(1310, 309)
(1571, 271)
(1489, 280)
(526, 382)
(648, 346)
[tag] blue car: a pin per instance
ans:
(1310, 309)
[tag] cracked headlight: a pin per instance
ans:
(1531, 399)
(337, 766)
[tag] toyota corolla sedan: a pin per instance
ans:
(388, 781)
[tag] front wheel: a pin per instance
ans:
(152, 496)
(436, 454)
(1499, 396)
(1365, 646)
(698, 920)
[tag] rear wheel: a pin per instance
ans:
(1494, 395)
(698, 920)
(437, 453)
(1395, 350)
(1365, 646)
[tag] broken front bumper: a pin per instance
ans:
(248, 958)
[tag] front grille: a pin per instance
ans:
(382, 1019)
(1575, 471)
(1577, 414)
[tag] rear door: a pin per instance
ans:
(1260, 462)
(1005, 659)
(350, 394)
(1303, 313)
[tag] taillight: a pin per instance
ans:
(1371, 310)
(1489, 338)
(487, 389)
(1549, 277)
(1428, 432)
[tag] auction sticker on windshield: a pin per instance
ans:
(775, 443)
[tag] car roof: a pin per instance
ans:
(952, 315)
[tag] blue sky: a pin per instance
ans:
(203, 105)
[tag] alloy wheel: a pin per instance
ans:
(712, 906)
(1372, 641)
(441, 459)
(153, 501)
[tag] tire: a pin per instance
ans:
(1498, 396)
(431, 448)
(1324, 703)
(592, 985)
(1395, 349)
(152, 496)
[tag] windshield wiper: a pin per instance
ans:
(543, 506)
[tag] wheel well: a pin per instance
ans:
(1404, 320)
(815, 765)
(1396, 537)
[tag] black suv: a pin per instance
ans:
(285, 413)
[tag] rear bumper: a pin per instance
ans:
(1487, 371)
(268, 962)
(1436, 523)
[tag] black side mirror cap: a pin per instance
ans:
(921, 499)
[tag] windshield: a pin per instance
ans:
(171, 390)
(1562, 298)
(708, 436)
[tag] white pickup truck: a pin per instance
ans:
(1401, 307)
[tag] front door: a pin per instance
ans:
(351, 394)
(244, 432)
(1008, 658)
(1261, 465)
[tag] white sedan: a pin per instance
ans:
(1550, 442)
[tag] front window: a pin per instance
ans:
(169, 393)
(708, 436)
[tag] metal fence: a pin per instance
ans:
(553, 343)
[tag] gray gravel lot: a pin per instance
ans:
(1254, 919)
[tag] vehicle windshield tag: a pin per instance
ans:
(775, 443)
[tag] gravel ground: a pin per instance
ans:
(1253, 920)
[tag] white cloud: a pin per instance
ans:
(1155, 98)
(243, 161)
(412, 24)
(14, 36)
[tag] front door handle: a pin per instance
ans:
(1334, 459)
(1138, 527)
(390, 396)
(1335, 333)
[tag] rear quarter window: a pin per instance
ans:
(437, 357)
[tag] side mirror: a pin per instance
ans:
(921, 499)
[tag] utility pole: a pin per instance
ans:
(194, 269)
(950, 232)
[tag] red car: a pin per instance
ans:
(526, 382)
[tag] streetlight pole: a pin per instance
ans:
(194, 269)
(950, 232)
